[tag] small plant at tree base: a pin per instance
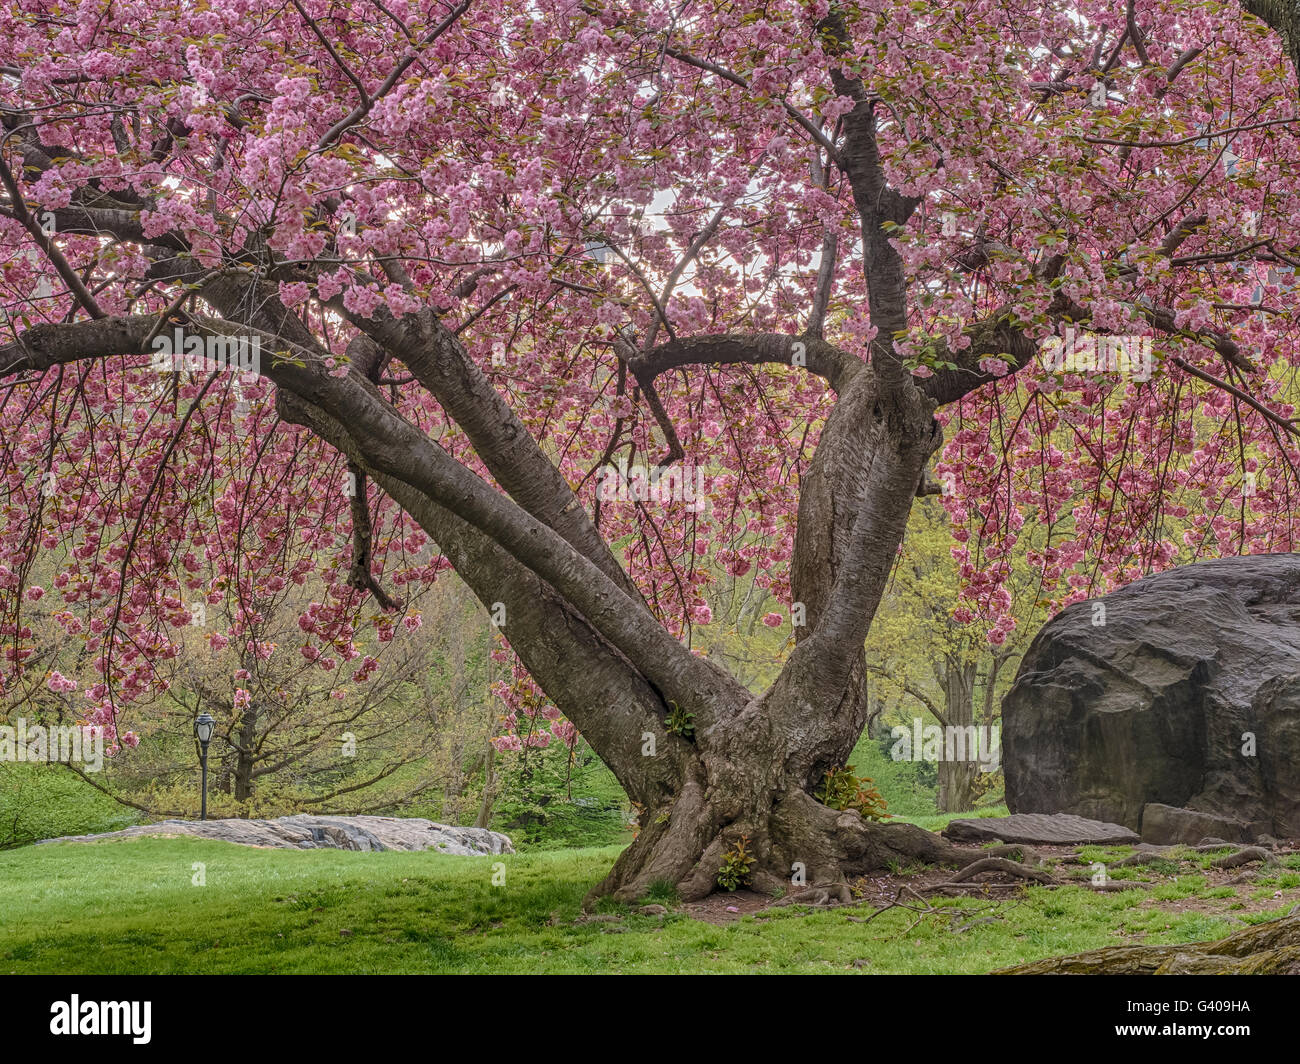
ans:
(680, 722)
(841, 789)
(736, 863)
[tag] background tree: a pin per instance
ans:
(929, 654)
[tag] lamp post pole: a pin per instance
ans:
(203, 729)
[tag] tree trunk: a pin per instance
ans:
(750, 768)
(244, 753)
(753, 763)
(739, 786)
(573, 615)
(750, 776)
(225, 774)
(957, 777)
(521, 538)
(489, 790)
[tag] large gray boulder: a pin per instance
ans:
(305, 832)
(1176, 711)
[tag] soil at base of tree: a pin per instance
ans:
(877, 891)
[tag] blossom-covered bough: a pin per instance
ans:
(487, 249)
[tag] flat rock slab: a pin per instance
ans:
(1170, 825)
(1048, 829)
(304, 832)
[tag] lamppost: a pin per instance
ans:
(203, 729)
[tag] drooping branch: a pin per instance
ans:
(360, 575)
(43, 240)
(382, 442)
(1291, 426)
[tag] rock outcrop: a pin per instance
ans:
(1171, 706)
(304, 832)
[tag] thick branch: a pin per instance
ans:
(838, 367)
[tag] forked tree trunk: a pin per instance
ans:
(754, 762)
(527, 546)
(744, 783)
(521, 539)
(751, 777)
(577, 621)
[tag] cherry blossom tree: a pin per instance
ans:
(533, 272)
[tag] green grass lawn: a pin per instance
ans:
(129, 906)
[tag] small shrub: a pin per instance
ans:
(841, 789)
(735, 869)
(680, 722)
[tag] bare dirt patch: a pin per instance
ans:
(727, 906)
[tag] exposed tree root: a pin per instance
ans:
(1271, 948)
(1138, 859)
(1245, 855)
(1001, 864)
(798, 840)
(965, 889)
(1017, 852)
(821, 896)
(1240, 855)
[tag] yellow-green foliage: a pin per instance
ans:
(841, 789)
